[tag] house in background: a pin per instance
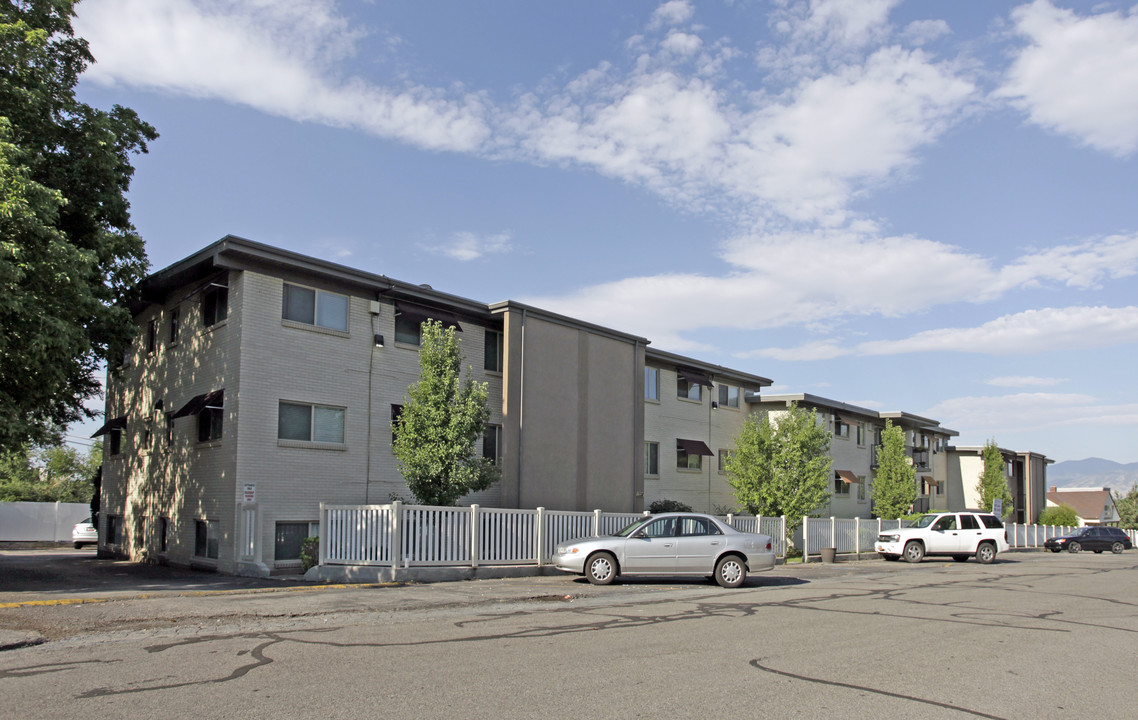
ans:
(1026, 474)
(1094, 506)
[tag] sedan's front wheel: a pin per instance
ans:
(1074, 547)
(601, 569)
(1116, 548)
(730, 572)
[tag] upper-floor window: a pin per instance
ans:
(396, 413)
(651, 383)
(315, 307)
(409, 319)
(493, 353)
(215, 305)
(152, 335)
(728, 396)
(688, 390)
(841, 428)
(115, 436)
(311, 423)
(724, 455)
(210, 424)
(860, 428)
(175, 316)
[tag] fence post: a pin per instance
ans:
(834, 533)
(596, 523)
(475, 536)
(396, 533)
(730, 517)
(782, 531)
(857, 537)
(539, 536)
(323, 534)
(805, 539)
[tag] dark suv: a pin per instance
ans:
(1091, 538)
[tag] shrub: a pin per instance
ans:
(1059, 515)
(662, 506)
(309, 553)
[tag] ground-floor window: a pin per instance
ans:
(290, 536)
(163, 530)
(205, 538)
(114, 529)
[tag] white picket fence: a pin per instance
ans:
(857, 536)
(399, 535)
(421, 536)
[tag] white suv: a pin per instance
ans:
(959, 535)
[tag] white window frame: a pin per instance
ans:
(727, 398)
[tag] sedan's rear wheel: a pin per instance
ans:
(601, 568)
(914, 552)
(730, 571)
(1074, 547)
(1116, 548)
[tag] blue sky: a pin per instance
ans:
(918, 206)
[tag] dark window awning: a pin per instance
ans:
(695, 377)
(113, 424)
(421, 313)
(213, 401)
(929, 479)
(847, 476)
(846, 420)
(694, 447)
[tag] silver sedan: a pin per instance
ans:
(668, 544)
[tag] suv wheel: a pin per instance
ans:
(986, 553)
(914, 552)
(1116, 548)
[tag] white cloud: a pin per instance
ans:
(1025, 381)
(467, 246)
(672, 12)
(277, 57)
(1078, 75)
(840, 21)
(799, 279)
(1024, 412)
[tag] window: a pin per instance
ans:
(841, 487)
(723, 455)
(215, 305)
(686, 460)
(688, 390)
(728, 396)
(152, 335)
(115, 441)
(492, 360)
(114, 529)
(175, 316)
(651, 383)
(210, 423)
(162, 531)
(492, 443)
(310, 423)
(169, 429)
(969, 522)
(695, 526)
(315, 307)
(651, 458)
(861, 488)
(991, 521)
(205, 538)
(860, 427)
(396, 412)
(408, 329)
(290, 537)
(948, 522)
(841, 428)
(662, 528)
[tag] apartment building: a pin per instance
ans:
(1026, 473)
(264, 382)
(856, 434)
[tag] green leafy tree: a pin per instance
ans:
(1127, 508)
(68, 252)
(894, 485)
(437, 430)
(52, 473)
(781, 466)
(1058, 515)
(993, 481)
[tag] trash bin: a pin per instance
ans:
(829, 554)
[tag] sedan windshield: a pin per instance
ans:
(631, 528)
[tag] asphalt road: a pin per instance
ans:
(1032, 636)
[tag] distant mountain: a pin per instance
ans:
(1093, 472)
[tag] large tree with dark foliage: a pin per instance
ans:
(68, 251)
